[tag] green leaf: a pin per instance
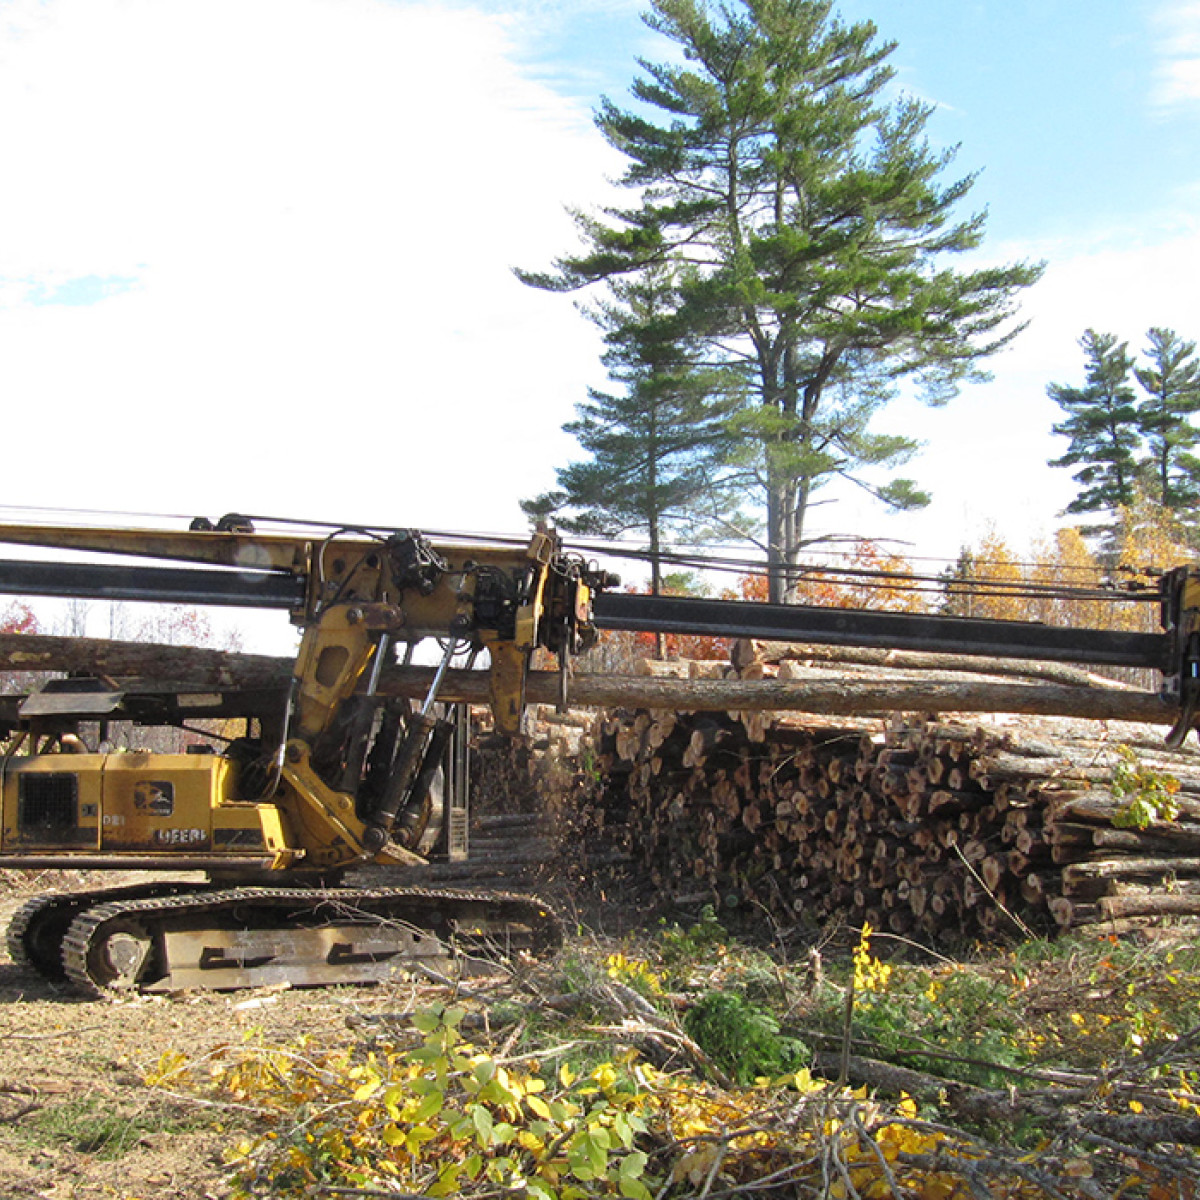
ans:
(484, 1124)
(539, 1189)
(429, 1106)
(418, 1135)
(426, 1020)
(633, 1164)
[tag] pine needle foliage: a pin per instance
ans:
(1128, 446)
(808, 226)
(656, 442)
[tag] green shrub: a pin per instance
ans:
(743, 1040)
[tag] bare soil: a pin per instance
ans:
(77, 1119)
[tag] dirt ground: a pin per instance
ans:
(76, 1118)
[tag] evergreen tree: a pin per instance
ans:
(808, 227)
(1102, 423)
(656, 446)
(1171, 383)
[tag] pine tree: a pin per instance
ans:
(1171, 383)
(657, 445)
(809, 230)
(1102, 423)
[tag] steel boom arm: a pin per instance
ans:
(868, 628)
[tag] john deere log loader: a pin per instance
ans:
(326, 773)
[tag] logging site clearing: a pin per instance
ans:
(864, 956)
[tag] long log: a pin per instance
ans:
(148, 660)
(1101, 806)
(837, 697)
(216, 668)
(901, 660)
(1159, 905)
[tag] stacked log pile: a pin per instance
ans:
(509, 850)
(522, 789)
(931, 829)
(1085, 858)
(529, 773)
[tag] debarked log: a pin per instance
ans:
(217, 668)
(1156, 905)
(822, 696)
(910, 660)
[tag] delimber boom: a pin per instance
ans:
(235, 565)
(510, 598)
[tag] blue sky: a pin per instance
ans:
(256, 254)
(1060, 104)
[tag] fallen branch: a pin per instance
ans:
(32, 1104)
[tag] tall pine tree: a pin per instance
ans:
(809, 228)
(1171, 383)
(1130, 448)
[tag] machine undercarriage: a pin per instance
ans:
(166, 937)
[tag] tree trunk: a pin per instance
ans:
(185, 664)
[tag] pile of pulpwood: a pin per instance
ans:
(522, 790)
(934, 828)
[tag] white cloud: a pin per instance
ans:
(1177, 74)
(987, 453)
(316, 205)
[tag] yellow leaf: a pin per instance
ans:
(803, 1081)
(605, 1075)
(530, 1141)
(1136, 1106)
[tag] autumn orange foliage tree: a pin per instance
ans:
(18, 617)
(1062, 581)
